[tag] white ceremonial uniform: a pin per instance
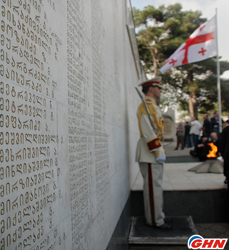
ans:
(149, 148)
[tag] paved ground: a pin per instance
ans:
(177, 177)
(170, 146)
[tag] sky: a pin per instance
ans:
(208, 9)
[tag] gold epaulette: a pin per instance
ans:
(153, 114)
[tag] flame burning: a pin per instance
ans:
(212, 152)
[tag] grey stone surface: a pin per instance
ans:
(67, 131)
(169, 123)
(209, 206)
(215, 230)
(209, 166)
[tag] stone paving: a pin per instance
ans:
(177, 178)
(213, 230)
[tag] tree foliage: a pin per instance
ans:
(160, 32)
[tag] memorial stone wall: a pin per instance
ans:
(68, 126)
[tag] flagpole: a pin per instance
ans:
(218, 77)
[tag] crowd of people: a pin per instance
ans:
(199, 136)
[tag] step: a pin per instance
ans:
(142, 234)
(181, 159)
(205, 206)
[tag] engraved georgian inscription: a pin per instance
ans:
(80, 125)
(100, 135)
(65, 66)
(29, 139)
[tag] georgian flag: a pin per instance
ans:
(202, 44)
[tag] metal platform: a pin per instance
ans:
(141, 233)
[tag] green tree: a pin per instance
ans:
(160, 32)
(197, 83)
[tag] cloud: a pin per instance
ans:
(225, 75)
(222, 7)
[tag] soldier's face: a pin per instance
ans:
(157, 92)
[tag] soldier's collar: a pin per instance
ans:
(149, 99)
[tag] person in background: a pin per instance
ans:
(180, 136)
(215, 123)
(202, 148)
(206, 129)
(187, 139)
(214, 138)
(195, 130)
(227, 121)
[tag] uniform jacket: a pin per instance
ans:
(149, 145)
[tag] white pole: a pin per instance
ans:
(218, 78)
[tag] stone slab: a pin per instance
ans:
(141, 233)
(181, 159)
(67, 132)
(169, 123)
(209, 166)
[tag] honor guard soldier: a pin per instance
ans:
(150, 153)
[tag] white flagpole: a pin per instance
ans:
(218, 77)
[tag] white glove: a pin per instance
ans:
(161, 159)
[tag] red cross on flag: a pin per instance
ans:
(202, 44)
